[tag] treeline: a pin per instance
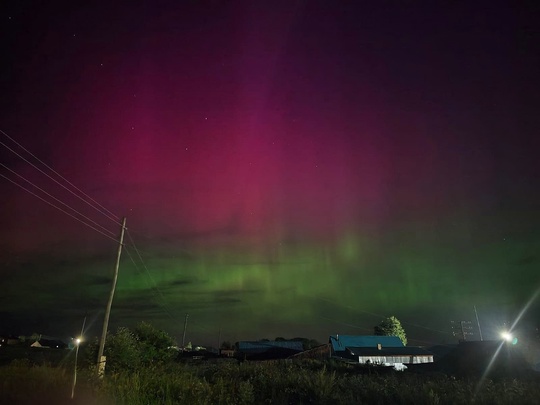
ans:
(306, 342)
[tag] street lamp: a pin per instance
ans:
(77, 342)
(509, 337)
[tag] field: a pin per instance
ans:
(232, 382)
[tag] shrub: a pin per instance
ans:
(128, 350)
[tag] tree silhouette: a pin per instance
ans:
(391, 326)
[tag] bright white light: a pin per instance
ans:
(77, 341)
(507, 336)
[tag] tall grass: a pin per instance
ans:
(23, 383)
(258, 383)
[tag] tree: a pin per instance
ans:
(391, 326)
(154, 344)
(130, 350)
(122, 351)
(306, 343)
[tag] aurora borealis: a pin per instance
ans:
(294, 169)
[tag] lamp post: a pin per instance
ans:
(77, 344)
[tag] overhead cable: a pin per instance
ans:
(58, 208)
(56, 199)
(108, 214)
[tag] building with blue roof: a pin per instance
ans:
(339, 342)
(382, 350)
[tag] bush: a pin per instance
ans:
(128, 350)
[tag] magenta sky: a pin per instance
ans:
(378, 148)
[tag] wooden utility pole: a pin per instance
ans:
(478, 323)
(184, 335)
(101, 359)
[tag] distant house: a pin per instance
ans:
(268, 349)
(227, 352)
(9, 340)
(37, 344)
(202, 354)
(49, 344)
(383, 350)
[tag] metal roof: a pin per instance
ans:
(266, 345)
(389, 351)
(340, 342)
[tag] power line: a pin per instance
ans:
(56, 199)
(58, 208)
(144, 265)
(374, 314)
(162, 240)
(155, 288)
(112, 216)
(424, 327)
(151, 287)
(59, 175)
(344, 323)
(114, 219)
(370, 330)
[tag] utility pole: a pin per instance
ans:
(462, 329)
(184, 335)
(101, 359)
(478, 323)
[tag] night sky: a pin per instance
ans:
(286, 168)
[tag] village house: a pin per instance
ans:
(381, 350)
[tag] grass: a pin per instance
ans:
(308, 382)
(24, 383)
